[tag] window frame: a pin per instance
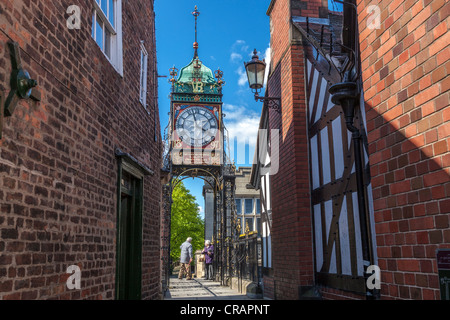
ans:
(143, 77)
(238, 211)
(115, 46)
(257, 206)
(258, 225)
(251, 226)
(245, 206)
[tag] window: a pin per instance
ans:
(143, 76)
(107, 30)
(249, 222)
(248, 206)
(238, 206)
(258, 206)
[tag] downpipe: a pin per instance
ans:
(346, 95)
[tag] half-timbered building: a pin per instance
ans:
(358, 206)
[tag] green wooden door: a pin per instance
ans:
(129, 245)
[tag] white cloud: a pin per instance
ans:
(235, 57)
(237, 49)
(239, 45)
(244, 131)
(242, 124)
(242, 80)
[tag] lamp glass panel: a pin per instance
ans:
(255, 74)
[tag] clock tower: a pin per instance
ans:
(196, 113)
(194, 147)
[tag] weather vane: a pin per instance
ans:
(195, 13)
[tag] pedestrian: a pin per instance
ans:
(186, 259)
(208, 251)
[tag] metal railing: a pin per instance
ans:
(247, 253)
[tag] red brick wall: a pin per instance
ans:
(58, 171)
(291, 228)
(280, 12)
(269, 289)
(405, 66)
(310, 8)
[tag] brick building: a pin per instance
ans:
(315, 241)
(405, 66)
(80, 169)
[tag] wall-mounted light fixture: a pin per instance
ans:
(256, 70)
(22, 86)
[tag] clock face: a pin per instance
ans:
(196, 126)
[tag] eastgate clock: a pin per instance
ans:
(197, 126)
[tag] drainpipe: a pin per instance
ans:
(346, 95)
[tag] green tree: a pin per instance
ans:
(186, 222)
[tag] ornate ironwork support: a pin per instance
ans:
(272, 102)
(229, 204)
(217, 232)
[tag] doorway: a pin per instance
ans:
(129, 241)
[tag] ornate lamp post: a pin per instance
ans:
(256, 70)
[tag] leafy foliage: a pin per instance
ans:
(186, 222)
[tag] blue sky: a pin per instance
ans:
(335, 6)
(228, 31)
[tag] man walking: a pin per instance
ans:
(186, 259)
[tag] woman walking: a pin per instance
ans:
(209, 255)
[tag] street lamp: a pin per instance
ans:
(256, 70)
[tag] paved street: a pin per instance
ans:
(200, 289)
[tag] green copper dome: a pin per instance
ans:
(196, 70)
(196, 82)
